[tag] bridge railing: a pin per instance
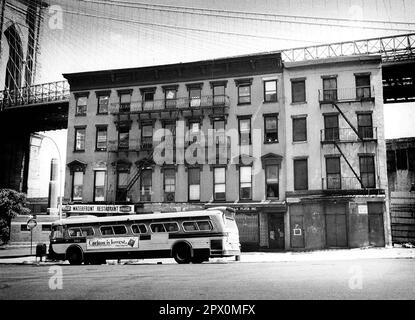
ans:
(41, 93)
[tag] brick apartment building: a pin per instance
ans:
(298, 150)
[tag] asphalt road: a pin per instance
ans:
(352, 279)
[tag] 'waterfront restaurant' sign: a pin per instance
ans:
(98, 208)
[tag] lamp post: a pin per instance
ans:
(60, 172)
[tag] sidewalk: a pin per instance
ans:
(13, 255)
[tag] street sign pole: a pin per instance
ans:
(31, 237)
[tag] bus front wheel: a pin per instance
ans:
(182, 253)
(74, 256)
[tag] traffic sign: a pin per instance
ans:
(31, 223)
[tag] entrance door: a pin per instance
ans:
(336, 230)
(276, 231)
(376, 230)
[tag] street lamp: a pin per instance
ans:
(60, 171)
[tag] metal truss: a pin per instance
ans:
(392, 49)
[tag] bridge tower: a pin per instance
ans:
(20, 30)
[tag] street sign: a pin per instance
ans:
(31, 224)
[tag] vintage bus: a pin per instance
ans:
(189, 236)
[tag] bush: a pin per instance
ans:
(12, 203)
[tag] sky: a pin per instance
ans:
(83, 35)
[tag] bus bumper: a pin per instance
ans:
(225, 253)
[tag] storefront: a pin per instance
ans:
(350, 222)
(262, 225)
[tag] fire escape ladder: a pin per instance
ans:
(348, 121)
(348, 163)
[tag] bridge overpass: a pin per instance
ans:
(44, 107)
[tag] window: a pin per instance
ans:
(171, 226)
(99, 185)
(331, 127)
(125, 102)
(169, 184)
(80, 134)
(119, 229)
(46, 228)
(77, 185)
(81, 103)
(300, 174)
(270, 91)
(123, 139)
(195, 95)
(146, 136)
(244, 131)
(272, 181)
(367, 171)
(170, 96)
(391, 160)
(169, 135)
(194, 184)
(218, 94)
(219, 128)
(298, 91)
(363, 86)
(111, 230)
(122, 182)
(80, 231)
(401, 159)
(299, 129)
(411, 159)
(145, 185)
(148, 99)
(219, 178)
(194, 131)
(333, 173)
(157, 227)
(365, 126)
(139, 228)
(244, 94)
(329, 89)
(197, 226)
(103, 102)
(271, 128)
(101, 139)
(23, 227)
(245, 183)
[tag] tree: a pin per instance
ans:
(12, 203)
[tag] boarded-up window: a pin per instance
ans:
(391, 160)
(298, 90)
(300, 174)
(401, 159)
(299, 129)
(411, 159)
(248, 228)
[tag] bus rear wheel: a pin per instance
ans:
(74, 256)
(182, 253)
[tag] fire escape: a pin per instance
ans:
(338, 137)
(146, 113)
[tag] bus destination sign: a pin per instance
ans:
(98, 208)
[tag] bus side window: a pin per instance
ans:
(87, 231)
(139, 228)
(106, 231)
(157, 227)
(171, 227)
(190, 226)
(74, 232)
(204, 225)
(119, 229)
